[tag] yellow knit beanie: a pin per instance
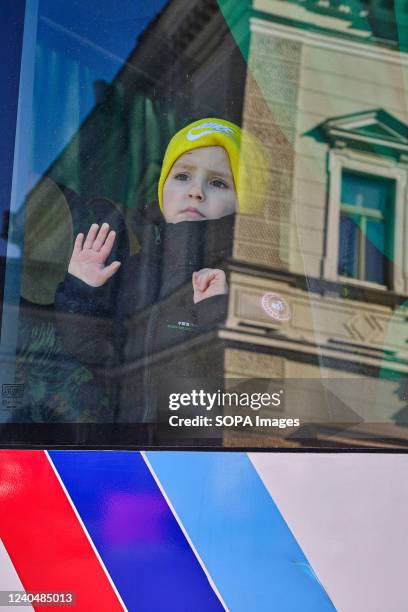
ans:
(246, 155)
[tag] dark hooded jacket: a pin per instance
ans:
(141, 331)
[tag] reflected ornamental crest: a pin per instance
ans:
(276, 307)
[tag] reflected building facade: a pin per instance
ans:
(332, 111)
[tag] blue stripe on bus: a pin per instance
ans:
(135, 532)
(245, 544)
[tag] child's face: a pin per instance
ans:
(199, 187)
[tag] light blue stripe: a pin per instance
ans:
(248, 549)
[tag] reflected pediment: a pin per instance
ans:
(370, 128)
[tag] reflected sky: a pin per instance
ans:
(79, 42)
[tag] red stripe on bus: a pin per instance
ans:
(44, 538)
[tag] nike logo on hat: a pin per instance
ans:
(208, 128)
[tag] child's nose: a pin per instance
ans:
(196, 191)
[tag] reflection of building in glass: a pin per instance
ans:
(332, 244)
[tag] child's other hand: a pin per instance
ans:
(207, 283)
(89, 257)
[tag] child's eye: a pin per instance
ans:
(219, 183)
(181, 176)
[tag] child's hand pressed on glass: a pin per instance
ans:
(88, 264)
(89, 257)
(207, 283)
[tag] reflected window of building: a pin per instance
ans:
(365, 240)
(367, 202)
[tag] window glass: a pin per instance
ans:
(365, 238)
(252, 293)
(349, 246)
(365, 191)
(375, 252)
